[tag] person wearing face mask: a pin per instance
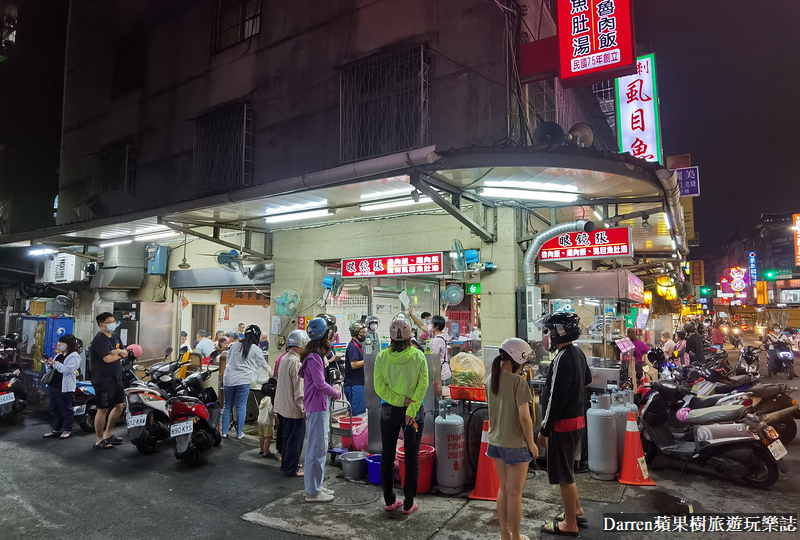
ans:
(425, 324)
(372, 342)
(354, 369)
(62, 386)
(105, 353)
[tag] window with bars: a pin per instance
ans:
(130, 52)
(234, 22)
(541, 103)
(604, 92)
(115, 170)
(384, 103)
(223, 149)
(8, 30)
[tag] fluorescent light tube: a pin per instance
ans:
(669, 223)
(121, 242)
(393, 204)
(597, 215)
(391, 193)
(296, 207)
(674, 245)
(529, 185)
(156, 236)
(45, 251)
(501, 193)
(298, 216)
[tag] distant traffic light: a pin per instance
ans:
(705, 291)
(770, 275)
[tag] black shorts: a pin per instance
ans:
(561, 455)
(109, 391)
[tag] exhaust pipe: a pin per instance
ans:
(581, 225)
(777, 415)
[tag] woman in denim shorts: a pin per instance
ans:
(511, 442)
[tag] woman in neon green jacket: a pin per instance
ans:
(401, 380)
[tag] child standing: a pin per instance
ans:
(266, 426)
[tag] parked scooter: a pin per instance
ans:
(748, 360)
(747, 451)
(13, 397)
(195, 420)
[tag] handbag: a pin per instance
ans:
(47, 378)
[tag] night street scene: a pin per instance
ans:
(399, 269)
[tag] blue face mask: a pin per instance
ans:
(112, 326)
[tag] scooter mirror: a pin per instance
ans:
(168, 351)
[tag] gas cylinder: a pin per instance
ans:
(601, 430)
(622, 404)
(449, 450)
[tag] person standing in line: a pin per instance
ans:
(563, 423)
(694, 343)
(717, 336)
(667, 345)
(204, 345)
(62, 386)
(317, 393)
(105, 353)
(511, 442)
(423, 323)
(244, 360)
(354, 369)
(680, 348)
(372, 343)
(401, 380)
(289, 406)
(639, 352)
(266, 426)
(435, 326)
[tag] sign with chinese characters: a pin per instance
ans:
(753, 266)
(697, 271)
(796, 227)
(301, 323)
(473, 288)
(689, 181)
(734, 283)
(595, 40)
(638, 122)
(635, 288)
(616, 242)
(394, 265)
(762, 292)
(232, 297)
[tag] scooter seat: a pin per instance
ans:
(738, 380)
(767, 391)
(712, 415)
(698, 402)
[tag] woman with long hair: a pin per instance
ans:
(401, 380)
(317, 394)
(511, 442)
(680, 348)
(61, 389)
(244, 361)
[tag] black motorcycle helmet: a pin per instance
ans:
(656, 356)
(562, 328)
(254, 332)
(330, 320)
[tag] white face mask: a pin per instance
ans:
(373, 327)
(62, 347)
(112, 326)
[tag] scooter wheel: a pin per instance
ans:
(787, 430)
(761, 472)
(87, 424)
(217, 438)
(191, 457)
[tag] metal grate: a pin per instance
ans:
(223, 149)
(541, 103)
(234, 22)
(384, 103)
(604, 92)
(115, 170)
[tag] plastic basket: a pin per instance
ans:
(464, 392)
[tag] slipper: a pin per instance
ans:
(268, 455)
(65, 435)
(410, 510)
(394, 506)
(103, 445)
(52, 434)
(582, 521)
(552, 528)
(114, 440)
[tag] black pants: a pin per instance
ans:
(393, 419)
(279, 433)
(294, 432)
(61, 409)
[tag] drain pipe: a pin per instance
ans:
(531, 275)
(669, 180)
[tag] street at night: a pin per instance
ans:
(399, 269)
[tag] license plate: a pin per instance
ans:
(137, 420)
(7, 398)
(79, 410)
(778, 450)
(184, 428)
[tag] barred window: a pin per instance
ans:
(605, 94)
(384, 104)
(541, 103)
(223, 149)
(115, 170)
(234, 22)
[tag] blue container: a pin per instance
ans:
(374, 467)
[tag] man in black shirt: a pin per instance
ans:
(354, 369)
(105, 353)
(694, 343)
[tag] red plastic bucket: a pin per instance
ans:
(344, 423)
(427, 455)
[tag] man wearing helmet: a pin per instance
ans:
(372, 343)
(354, 369)
(563, 423)
(289, 405)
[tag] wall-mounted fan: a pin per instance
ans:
(288, 303)
(462, 260)
(229, 260)
(452, 295)
(332, 285)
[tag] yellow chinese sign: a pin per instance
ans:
(232, 297)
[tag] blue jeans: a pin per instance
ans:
(238, 395)
(316, 450)
(355, 395)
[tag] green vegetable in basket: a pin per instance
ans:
(468, 379)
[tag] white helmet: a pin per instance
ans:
(400, 329)
(518, 349)
(297, 338)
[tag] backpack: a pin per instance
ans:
(268, 388)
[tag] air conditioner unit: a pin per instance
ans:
(44, 270)
(67, 268)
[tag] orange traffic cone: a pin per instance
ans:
(634, 467)
(487, 483)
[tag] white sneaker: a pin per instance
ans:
(320, 497)
(327, 491)
(240, 437)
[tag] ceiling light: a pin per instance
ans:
(597, 215)
(391, 193)
(299, 215)
(674, 245)
(669, 223)
(156, 236)
(296, 207)
(121, 242)
(529, 195)
(394, 204)
(530, 185)
(35, 252)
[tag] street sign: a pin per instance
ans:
(473, 288)
(638, 122)
(689, 181)
(796, 227)
(394, 265)
(613, 243)
(697, 270)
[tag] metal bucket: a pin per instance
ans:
(354, 465)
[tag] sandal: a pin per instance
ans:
(410, 510)
(582, 521)
(552, 528)
(114, 440)
(65, 435)
(52, 434)
(269, 455)
(103, 445)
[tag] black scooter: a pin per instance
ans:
(785, 359)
